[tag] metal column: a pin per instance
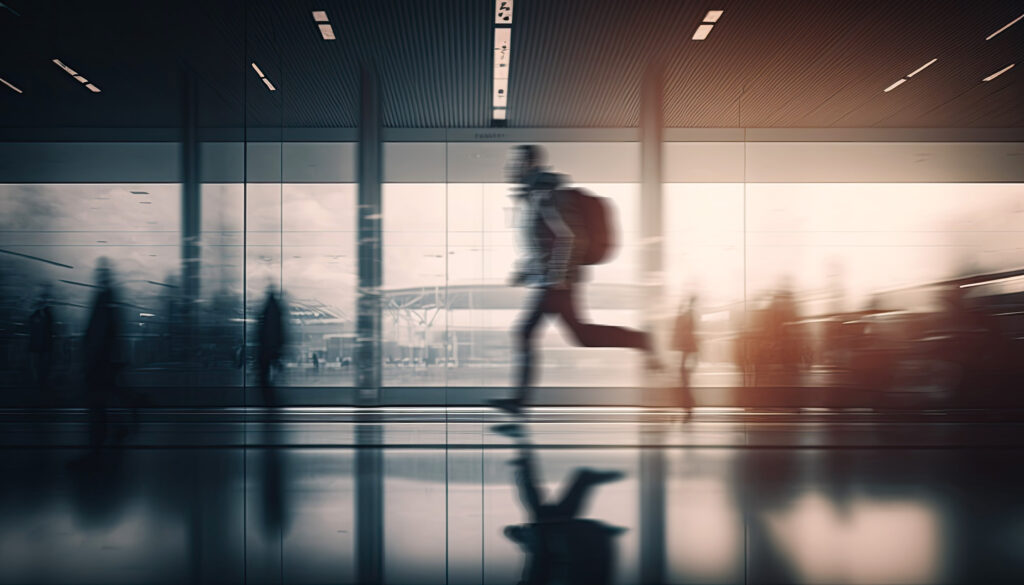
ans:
(368, 323)
(652, 461)
(191, 208)
(369, 460)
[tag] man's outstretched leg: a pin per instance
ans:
(563, 302)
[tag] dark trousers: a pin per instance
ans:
(555, 301)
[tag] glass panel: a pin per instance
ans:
(705, 261)
(221, 277)
(320, 280)
(415, 313)
(55, 237)
(873, 286)
(472, 251)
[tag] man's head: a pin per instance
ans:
(522, 161)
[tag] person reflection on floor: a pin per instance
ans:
(275, 503)
(560, 546)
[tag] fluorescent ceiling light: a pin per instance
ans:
(702, 32)
(499, 113)
(65, 67)
(320, 15)
(713, 15)
(502, 11)
(502, 52)
(502, 58)
(258, 72)
(78, 78)
(502, 39)
(1000, 72)
(895, 85)
(500, 92)
(8, 84)
(269, 85)
(997, 280)
(327, 32)
(1012, 22)
(922, 68)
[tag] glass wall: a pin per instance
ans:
(300, 245)
(449, 251)
(57, 240)
(800, 278)
(909, 291)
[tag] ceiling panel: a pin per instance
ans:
(575, 63)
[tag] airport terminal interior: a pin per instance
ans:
(653, 292)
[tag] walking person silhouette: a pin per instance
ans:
(684, 340)
(41, 330)
(272, 339)
(557, 231)
(105, 357)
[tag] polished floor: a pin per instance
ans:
(464, 495)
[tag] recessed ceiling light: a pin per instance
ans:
(327, 32)
(499, 114)
(702, 32)
(502, 52)
(320, 15)
(502, 39)
(922, 68)
(1012, 22)
(1000, 72)
(8, 84)
(256, 67)
(713, 15)
(269, 85)
(895, 85)
(79, 78)
(500, 92)
(69, 70)
(502, 11)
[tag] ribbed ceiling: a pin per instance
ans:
(574, 63)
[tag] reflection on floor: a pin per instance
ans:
(410, 496)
